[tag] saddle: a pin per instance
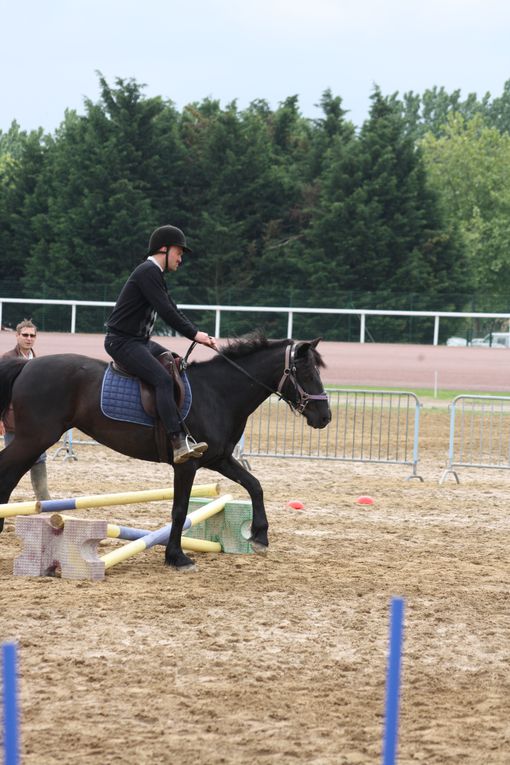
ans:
(172, 363)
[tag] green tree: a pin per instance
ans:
(236, 196)
(106, 186)
(378, 229)
(22, 157)
(469, 168)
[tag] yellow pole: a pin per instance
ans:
(188, 543)
(150, 495)
(18, 508)
(199, 545)
(133, 548)
(123, 553)
(211, 508)
(11, 509)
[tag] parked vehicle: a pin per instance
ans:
(492, 340)
(456, 341)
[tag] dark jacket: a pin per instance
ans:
(143, 297)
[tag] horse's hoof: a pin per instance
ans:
(258, 548)
(186, 569)
(181, 563)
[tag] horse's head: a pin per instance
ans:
(301, 384)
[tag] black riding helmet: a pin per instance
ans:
(166, 236)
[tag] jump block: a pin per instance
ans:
(231, 528)
(52, 544)
(50, 547)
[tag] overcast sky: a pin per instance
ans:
(233, 49)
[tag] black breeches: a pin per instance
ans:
(138, 358)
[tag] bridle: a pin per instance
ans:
(289, 373)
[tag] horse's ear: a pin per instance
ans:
(304, 346)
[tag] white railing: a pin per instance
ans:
(362, 313)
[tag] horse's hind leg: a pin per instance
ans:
(15, 460)
(184, 475)
(231, 468)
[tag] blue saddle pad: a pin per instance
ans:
(121, 399)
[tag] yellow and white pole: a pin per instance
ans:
(11, 509)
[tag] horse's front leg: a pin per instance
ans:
(184, 475)
(231, 468)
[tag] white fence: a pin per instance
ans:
(361, 313)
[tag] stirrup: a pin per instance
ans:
(187, 448)
(197, 447)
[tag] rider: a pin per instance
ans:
(131, 322)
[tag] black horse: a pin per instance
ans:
(54, 393)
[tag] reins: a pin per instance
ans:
(289, 373)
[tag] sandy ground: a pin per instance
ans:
(282, 658)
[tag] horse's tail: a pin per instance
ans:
(9, 370)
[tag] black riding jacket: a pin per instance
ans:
(143, 297)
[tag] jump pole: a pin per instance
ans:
(128, 533)
(160, 536)
(11, 509)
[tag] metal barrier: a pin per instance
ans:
(479, 434)
(67, 448)
(366, 426)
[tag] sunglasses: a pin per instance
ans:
(27, 334)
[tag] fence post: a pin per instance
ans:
(290, 319)
(416, 440)
(451, 446)
(436, 330)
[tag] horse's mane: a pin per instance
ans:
(244, 346)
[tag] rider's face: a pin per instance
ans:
(174, 257)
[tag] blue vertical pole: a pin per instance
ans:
(10, 699)
(393, 682)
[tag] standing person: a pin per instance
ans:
(26, 335)
(128, 339)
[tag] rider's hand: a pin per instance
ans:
(204, 339)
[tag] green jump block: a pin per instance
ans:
(230, 527)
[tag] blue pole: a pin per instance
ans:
(10, 699)
(393, 682)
